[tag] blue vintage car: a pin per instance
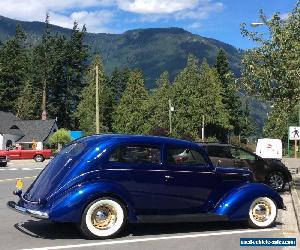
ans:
(101, 182)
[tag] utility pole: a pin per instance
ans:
(202, 130)
(97, 102)
(171, 109)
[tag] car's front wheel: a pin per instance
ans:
(103, 218)
(262, 213)
(3, 164)
(276, 181)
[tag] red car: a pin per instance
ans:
(37, 155)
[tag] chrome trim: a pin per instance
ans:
(33, 213)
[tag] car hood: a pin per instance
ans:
(65, 170)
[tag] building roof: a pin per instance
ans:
(7, 122)
(37, 130)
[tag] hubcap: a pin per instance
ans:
(261, 211)
(276, 181)
(104, 217)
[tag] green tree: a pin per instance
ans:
(13, 70)
(118, 81)
(197, 92)
(28, 103)
(271, 70)
(158, 105)
(130, 115)
(246, 125)
(75, 65)
(86, 110)
(230, 97)
(60, 138)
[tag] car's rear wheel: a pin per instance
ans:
(276, 180)
(39, 158)
(262, 213)
(103, 218)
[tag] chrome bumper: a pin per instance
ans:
(34, 213)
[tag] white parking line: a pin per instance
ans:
(154, 239)
(14, 179)
(16, 169)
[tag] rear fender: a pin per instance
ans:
(236, 204)
(69, 206)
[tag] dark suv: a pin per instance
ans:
(270, 171)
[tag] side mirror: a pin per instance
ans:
(218, 163)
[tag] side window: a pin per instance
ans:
(178, 155)
(136, 154)
(241, 154)
(219, 151)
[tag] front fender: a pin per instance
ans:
(69, 206)
(236, 204)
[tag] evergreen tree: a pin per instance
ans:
(186, 118)
(118, 81)
(75, 65)
(247, 125)
(130, 115)
(197, 93)
(158, 104)
(28, 103)
(86, 110)
(13, 70)
(230, 96)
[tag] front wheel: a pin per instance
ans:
(262, 213)
(103, 218)
(276, 181)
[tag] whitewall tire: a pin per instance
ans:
(103, 218)
(262, 213)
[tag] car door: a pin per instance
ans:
(138, 168)
(14, 154)
(220, 155)
(245, 159)
(190, 180)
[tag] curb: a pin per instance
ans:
(296, 205)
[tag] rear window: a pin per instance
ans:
(73, 149)
(218, 151)
(136, 154)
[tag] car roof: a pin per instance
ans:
(215, 144)
(137, 138)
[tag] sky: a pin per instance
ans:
(218, 19)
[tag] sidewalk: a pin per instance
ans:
(295, 192)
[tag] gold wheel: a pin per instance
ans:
(104, 217)
(261, 211)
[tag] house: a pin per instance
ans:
(14, 131)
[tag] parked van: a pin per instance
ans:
(269, 148)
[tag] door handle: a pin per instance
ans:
(168, 177)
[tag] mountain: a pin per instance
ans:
(152, 50)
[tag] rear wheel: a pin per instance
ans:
(262, 213)
(276, 181)
(39, 158)
(3, 164)
(103, 218)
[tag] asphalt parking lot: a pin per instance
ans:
(18, 231)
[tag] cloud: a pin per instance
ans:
(156, 6)
(99, 15)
